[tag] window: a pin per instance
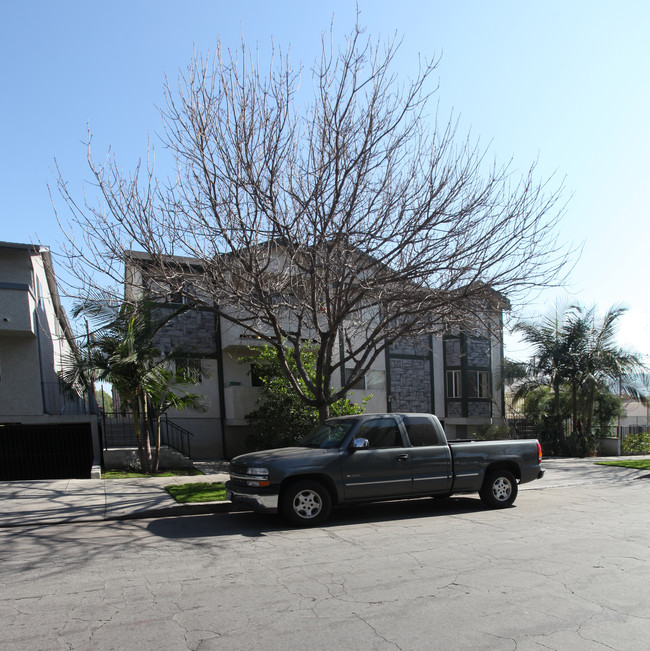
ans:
(453, 384)
(381, 433)
(371, 380)
(330, 434)
(376, 380)
(182, 295)
(421, 430)
(479, 384)
(359, 384)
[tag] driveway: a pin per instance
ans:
(572, 472)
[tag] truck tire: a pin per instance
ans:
(499, 489)
(305, 503)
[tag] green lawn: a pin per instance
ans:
(641, 464)
(178, 472)
(197, 492)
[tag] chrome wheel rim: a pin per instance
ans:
(307, 504)
(501, 489)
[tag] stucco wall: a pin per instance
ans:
(20, 381)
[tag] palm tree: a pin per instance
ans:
(121, 351)
(169, 390)
(598, 363)
(575, 349)
(551, 360)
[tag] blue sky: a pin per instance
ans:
(563, 82)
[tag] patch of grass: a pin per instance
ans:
(177, 472)
(640, 464)
(202, 491)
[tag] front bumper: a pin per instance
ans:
(260, 502)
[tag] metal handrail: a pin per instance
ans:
(119, 431)
(180, 435)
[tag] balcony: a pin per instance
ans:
(16, 309)
(235, 340)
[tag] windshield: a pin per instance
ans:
(328, 435)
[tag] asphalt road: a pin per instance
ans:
(566, 568)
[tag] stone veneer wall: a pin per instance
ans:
(410, 381)
(452, 351)
(419, 346)
(454, 409)
(479, 409)
(478, 353)
(195, 330)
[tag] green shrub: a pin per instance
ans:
(579, 444)
(280, 417)
(489, 432)
(637, 443)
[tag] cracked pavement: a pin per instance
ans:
(566, 568)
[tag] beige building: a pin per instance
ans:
(454, 376)
(44, 431)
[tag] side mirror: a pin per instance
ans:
(359, 444)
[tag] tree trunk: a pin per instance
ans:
(156, 458)
(146, 439)
(574, 407)
(558, 413)
(138, 435)
(323, 412)
(591, 399)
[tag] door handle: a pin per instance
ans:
(402, 457)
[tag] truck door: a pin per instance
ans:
(383, 469)
(431, 464)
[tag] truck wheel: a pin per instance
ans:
(499, 489)
(305, 503)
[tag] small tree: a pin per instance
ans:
(281, 418)
(170, 390)
(121, 351)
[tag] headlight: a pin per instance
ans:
(258, 477)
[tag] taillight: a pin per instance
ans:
(539, 452)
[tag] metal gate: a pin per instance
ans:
(61, 451)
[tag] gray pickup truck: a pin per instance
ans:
(355, 459)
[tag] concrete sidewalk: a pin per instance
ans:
(54, 501)
(43, 502)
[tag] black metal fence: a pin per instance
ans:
(62, 451)
(118, 431)
(635, 439)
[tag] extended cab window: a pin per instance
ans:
(421, 431)
(381, 433)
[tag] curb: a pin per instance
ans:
(578, 482)
(199, 508)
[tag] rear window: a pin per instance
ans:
(421, 431)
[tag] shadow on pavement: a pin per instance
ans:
(253, 525)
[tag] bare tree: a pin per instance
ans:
(351, 219)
